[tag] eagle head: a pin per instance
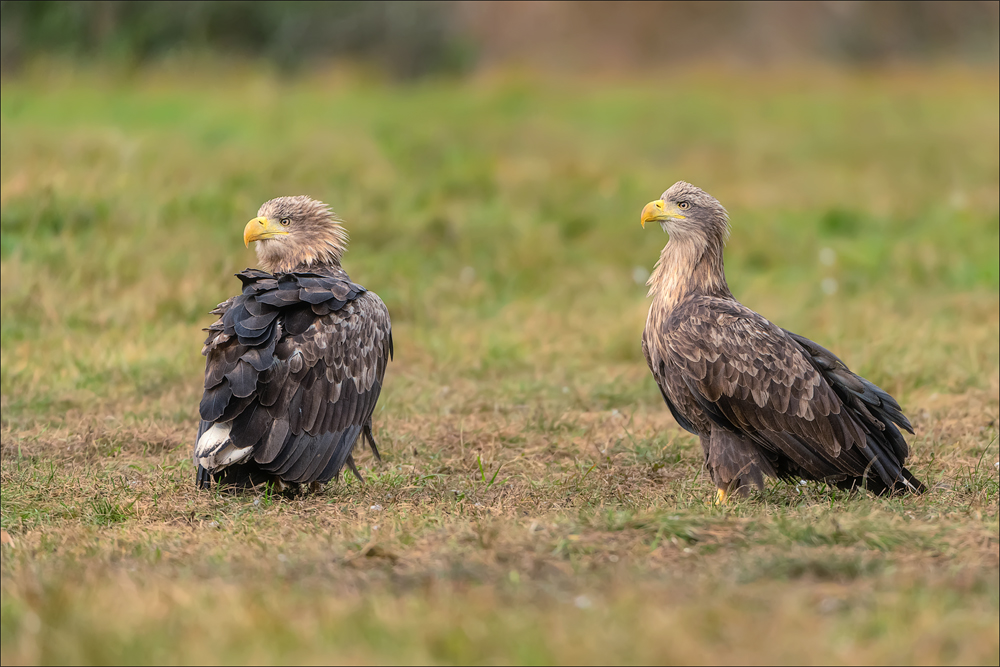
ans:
(686, 211)
(296, 233)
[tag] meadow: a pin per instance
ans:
(536, 503)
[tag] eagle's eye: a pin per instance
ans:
(285, 221)
(684, 205)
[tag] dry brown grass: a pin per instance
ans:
(593, 544)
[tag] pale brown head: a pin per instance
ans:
(688, 213)
(691, 262)
(296, 233)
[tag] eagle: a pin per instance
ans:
(295, 363)
(764, 402)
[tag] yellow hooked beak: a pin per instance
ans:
(658, 211)
(259, 229)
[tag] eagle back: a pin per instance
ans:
(241, 343)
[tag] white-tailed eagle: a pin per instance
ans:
(294, 364)
(763, 401)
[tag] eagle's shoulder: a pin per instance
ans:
(749, 374)
(712, 328)
(271, 309)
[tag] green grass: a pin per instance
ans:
(536, 503)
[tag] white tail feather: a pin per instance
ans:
(215, 450)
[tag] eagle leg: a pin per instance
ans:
(734, 464)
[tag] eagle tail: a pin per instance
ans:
(905, 483)
(354, 469)
(886, 450)
(249, 476)
(913, 484)
(884, 475)
(203, 480)
(879, 415)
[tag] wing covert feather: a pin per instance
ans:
(299, 387)
(746, 371)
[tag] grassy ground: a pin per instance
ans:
(536, 502)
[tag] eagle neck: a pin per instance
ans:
(310, 263)
(291, 254)
(687, 267)
(324, 268)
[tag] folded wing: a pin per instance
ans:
(294, 369)
(794, 400)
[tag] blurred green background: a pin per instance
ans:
(412, 39)
(491, 187)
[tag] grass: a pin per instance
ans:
(536, 502)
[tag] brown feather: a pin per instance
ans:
(297, 360)
(748, 387)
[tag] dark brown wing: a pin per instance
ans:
(687, 413)
(876, 408)
(877, 412)
(751, 377)
(295, 366)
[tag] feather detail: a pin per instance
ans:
(763, 400)
(294, 388)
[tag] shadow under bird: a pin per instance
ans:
(763, 400)
(294, 365)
